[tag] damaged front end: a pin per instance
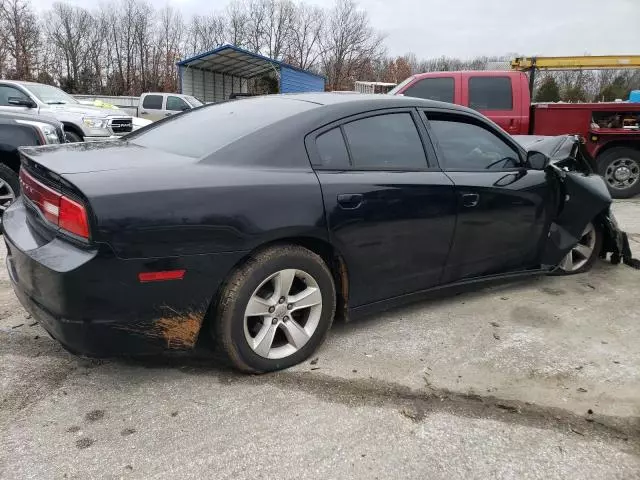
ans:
(581, 197)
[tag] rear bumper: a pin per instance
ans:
(92, 301)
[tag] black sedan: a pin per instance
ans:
(257, 221)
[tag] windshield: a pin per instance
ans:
(398, 87)
(50, 95)
(193, 101)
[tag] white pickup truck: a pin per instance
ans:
(81, 122)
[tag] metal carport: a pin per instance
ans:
(214, 75)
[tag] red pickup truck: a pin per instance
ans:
(611, 130)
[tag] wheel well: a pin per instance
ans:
(332, 258)
(11, 160)
(618, 143)
(73, 128)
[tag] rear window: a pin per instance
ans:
(440, 88)
(490, 93)
(152, 102)
(204, 130)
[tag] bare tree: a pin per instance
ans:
(280, 17)
(236, 24)
(204, 33)
(304, 48)
(20, 37)
(68, 30)
(349, 45)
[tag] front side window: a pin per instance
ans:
(176, 104)
(152, 102)
(467, 146)
(490, 93)
(385, 141)
(7, 92)
(439, 88)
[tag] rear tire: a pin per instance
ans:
(582, 257)
(620, 168)
(72, 137)
(275, 310)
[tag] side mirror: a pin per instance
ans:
(537, 160)
(21, 102)
(185, 108)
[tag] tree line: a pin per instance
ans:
(127, 47)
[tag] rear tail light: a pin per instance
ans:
(58, 209)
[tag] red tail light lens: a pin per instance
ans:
(58, 209)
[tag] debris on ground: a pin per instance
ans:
(314, 361)
(582, 390)
(496, 336)
(495, 324)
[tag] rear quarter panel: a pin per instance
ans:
(201, 208)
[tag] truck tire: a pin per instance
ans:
(9, 187)
(72, 137)
(620, 168)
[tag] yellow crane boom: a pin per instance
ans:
(572, 63)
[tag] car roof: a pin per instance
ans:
(20, 82)
(374, 100)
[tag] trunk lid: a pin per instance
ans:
(73, 158)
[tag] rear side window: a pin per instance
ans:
(332, 149)
(467, 146)
(490, 93)
(440, 89)
(385, 141)
(152, 102)
(203, 131)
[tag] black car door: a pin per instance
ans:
(504, 208)
(390, 214)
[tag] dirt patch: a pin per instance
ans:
(94, 415)
(553, 291)
(84, 442)
(180, 331)
(533, 317)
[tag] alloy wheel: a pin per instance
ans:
(622, 173)
(7, 195)
(582, 252)
(283, 314)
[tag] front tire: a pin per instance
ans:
(620, 168)
(9, 187)
(72, 137)
(582, 257)
(275, 310)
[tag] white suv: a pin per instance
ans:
(81, 122)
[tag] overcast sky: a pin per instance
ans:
(466, 28)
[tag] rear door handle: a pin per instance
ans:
(470, 200)
(349, 201)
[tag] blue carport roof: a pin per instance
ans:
(237, 61)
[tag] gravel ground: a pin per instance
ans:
(533, 379)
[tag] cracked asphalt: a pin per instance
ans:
(531, 379)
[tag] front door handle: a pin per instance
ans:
(144, 113)
(470, 200)
(349, 201)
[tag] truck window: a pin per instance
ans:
(176, 104)
(490, 93)
(440, 88)
(467, 146)
(152, 102)
(7, 92)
